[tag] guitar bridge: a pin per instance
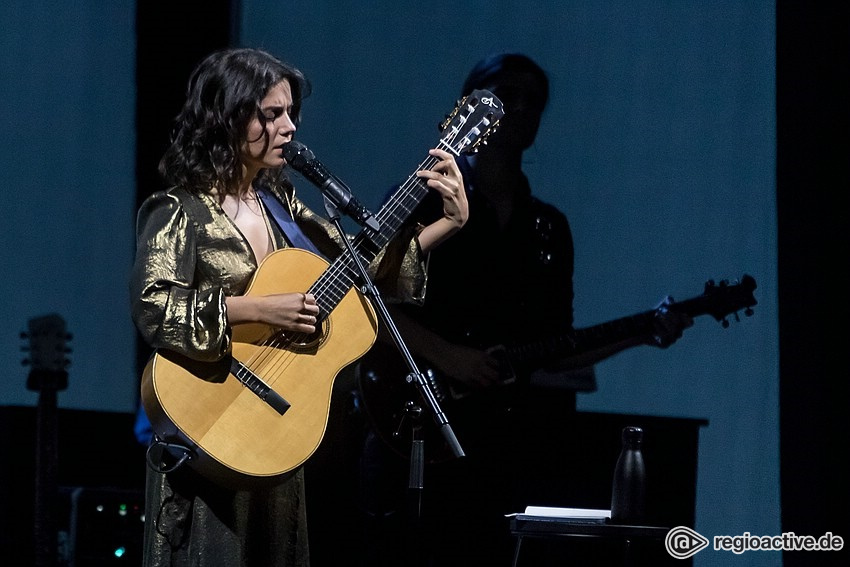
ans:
(260, 388)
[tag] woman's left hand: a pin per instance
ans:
(445, 178)
(668, 324)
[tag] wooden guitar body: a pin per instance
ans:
(238, 437)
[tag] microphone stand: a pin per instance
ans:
(416, 377)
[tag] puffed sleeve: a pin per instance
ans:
(172, 306)
(401, 268)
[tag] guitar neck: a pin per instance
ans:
(341, 276)
(468, 125)
(613, 332)
(581, 341)
(718, 301)
(474, 117)
(393, 214)
(46, 480)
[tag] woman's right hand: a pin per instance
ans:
(297, 312)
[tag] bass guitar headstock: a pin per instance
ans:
(725, 298)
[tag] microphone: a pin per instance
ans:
(303, 161)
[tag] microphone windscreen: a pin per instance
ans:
(297, 154)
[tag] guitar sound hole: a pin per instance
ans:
(301, 343)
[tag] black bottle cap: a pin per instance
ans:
(632, 434)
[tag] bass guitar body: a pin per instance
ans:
(387, 396)
(261, 413)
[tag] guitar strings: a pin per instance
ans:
(329, 290)
(331, 287)
(338, 278)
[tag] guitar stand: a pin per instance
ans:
(416, 479)
(416, 377)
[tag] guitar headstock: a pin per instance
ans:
(724, 298)
(473, 119)
(47, 347)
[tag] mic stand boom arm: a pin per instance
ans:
(415, 376)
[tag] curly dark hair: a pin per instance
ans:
(223, 96)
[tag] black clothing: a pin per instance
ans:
(487, 286)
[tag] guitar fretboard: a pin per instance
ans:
(581, 340)
(718, 301)
(342, 274)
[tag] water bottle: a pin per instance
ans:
(628, 491)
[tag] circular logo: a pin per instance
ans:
(682, 542)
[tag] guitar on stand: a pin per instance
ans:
(48, 375)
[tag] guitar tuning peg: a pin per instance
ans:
(737, 317)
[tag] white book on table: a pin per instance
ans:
(587, 514)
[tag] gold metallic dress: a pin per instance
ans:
(190, 256)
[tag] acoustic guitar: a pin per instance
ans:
(261, 412)
(387, 396)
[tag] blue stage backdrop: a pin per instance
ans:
(68, 159)
(658, 143)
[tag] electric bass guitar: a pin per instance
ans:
(261, 412)
(387, 396)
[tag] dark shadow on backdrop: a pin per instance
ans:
(171, 38)
(813, 177)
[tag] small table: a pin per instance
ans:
(523, 525)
